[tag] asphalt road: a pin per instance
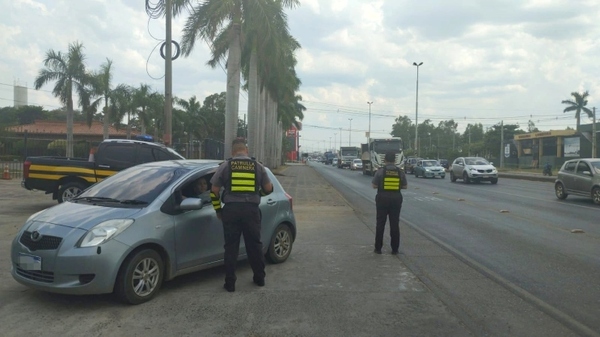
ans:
(516, 233)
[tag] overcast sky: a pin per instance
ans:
(483, 61)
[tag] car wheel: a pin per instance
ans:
(596, 195)
(140, 277)
(494, 181)
(280, 246)
(452, 177)
(69, 191)
(466, 178)
(559, 190)
(443, 177)
(416, 174)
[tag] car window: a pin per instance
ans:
(115, 154)
(137, 183)
(596, 167)
(161, 155)
(570, 166)
(582, 166)
(144, 155)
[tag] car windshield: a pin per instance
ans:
(358, 161)
(175, 153)
(596, 167)
(135, 185)
(476, 161)
(428, 163)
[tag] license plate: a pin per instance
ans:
(30, 262)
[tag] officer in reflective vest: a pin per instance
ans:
(244, 181)
(388, 181)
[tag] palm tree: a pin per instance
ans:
(142, 98)
(578, 104)
(122, 105)
(103, 80)
(68, 70)
(220, 22)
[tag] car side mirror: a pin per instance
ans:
(587, 173)
(188, 204)
(491, 163)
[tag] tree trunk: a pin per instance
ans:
(128, 125)
(261, 124)
(233, 84)
(106, 121)
(253, 107)
(69, 149)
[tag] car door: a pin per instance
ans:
(458, 167)
(568, 176)
(198, 235)
(583, 178)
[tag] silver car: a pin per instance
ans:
(579, 177)
(473, 169)
(135, 229)
(429, 169)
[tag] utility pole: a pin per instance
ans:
(501, 144)
(417, 111)
(594, 134)
(168, 78)
(340, 137)
(369, 134)
(335, 140)
(350, 132)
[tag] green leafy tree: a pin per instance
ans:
(68, 72)
(578, 104)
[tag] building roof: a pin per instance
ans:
(60, 127)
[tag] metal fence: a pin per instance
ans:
(14, 150)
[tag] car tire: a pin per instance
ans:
(466, 178)
(416, 174)
(69, 191)
(452, 177)
(596, 195)
(281, 243)
(140, 277)
(494, 181)
(443, 177)
(559, 190)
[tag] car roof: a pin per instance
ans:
(184, 163)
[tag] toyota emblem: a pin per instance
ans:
(36, 236)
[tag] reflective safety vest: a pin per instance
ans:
(243, 176)
(391, 181)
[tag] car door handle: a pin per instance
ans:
(271, 202)
(104, 166)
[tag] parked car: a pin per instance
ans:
(473, 169)
(409, 164)
(65, 178)
(356, 164)
(579, 177)
(132, 231)
(429, 168)
(334, 161)
(444, 163)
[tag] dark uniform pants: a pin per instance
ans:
(238, 219)
(388, 205)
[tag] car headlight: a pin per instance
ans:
(103, 231)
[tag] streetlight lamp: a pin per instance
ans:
(350, 132)
(417, 111)
(369, 134)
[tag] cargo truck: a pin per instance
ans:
(347, 155)
(373, 153)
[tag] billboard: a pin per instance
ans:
(572, 147)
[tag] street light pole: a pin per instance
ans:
(417, 111)
(350, 132)
(335, 140)
(369, 134)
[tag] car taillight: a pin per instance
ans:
(290, 200)
(26, 165)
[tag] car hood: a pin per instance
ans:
(482, 167)
(433, 167)
(83, 216)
